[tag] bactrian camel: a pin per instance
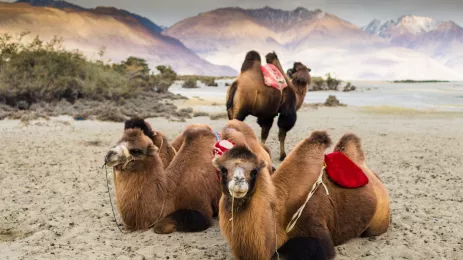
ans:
(256, 207)
(182, 197)
(249, 95)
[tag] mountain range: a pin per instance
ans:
(215, 42)
(122, 33)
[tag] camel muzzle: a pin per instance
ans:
(117, 156)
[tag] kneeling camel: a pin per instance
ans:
(182, 197)
(256, 207)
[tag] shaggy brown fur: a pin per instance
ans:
(248, 95)
(327, 220)
(183, 197)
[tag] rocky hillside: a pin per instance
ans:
(120, 32)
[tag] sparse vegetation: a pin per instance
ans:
(190, 83)
(332, 83)
(200, 113)
(419, 81)
(165, 79)
(42, 79)
(332, 101)
(349, 87)
(319, 84)
(209, 81)
(218, 116)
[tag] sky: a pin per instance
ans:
(359, 12)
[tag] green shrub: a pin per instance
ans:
(349, 87)
(209, 81)
(40, 71)
(332, 83)
(190, 83)
(165, 79)
(318, 84)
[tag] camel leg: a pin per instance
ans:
(315, 246)
(183, 220)
(266, 125)
(286, 122)
(282, 138)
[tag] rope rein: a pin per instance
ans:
(298, 213)
(276, 236)
(111, 201)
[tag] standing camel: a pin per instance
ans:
(249, 95)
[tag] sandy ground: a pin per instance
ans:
(54, 203)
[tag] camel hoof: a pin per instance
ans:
(164, 228)
(282, 157)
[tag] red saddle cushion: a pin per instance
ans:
(344, 172)
(273, 77)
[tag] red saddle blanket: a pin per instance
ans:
(273, 77)
(344, 172)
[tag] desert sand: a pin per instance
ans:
(54, 202)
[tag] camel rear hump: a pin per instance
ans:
(351, 145)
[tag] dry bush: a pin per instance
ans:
(332, 101)
(200, 113)
(218, 116)
(190, 83)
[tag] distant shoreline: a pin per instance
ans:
(420, 81)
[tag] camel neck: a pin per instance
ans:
(254, 231)
(142, 195)
(301, 91)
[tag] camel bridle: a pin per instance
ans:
(128, 159)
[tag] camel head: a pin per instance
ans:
(300, 74)
(134, 149)
(239, 169)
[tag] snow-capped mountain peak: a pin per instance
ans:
(418, 24)
(410, 24)
(377, 27)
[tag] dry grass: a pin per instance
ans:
(218, 116)
(403, 111)
(200, 113)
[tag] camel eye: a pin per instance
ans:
(223, 170)
(254, 173)
(136, 152)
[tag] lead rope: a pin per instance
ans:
(110, 200)
(298, 213)
(231, 219)
(129, 158)
(276, 237)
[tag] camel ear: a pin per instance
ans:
(215, 162)
(262, 164)
(152, 149)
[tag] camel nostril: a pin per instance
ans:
(239, 180)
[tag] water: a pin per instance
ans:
(445, 96)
